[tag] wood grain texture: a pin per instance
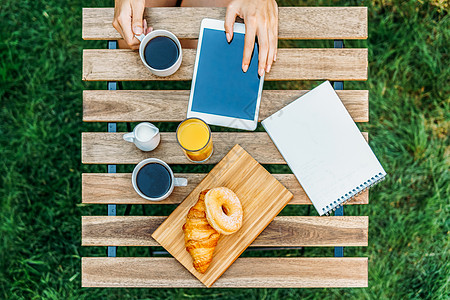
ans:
(116, 188)
(246, 272)
(110, 148)
(294, 22)
(283, 231)
(171, 105)
(262, 198)
(291, 64)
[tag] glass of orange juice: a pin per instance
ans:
(194, 136)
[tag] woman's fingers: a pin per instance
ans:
(275, 42)
(147, 29)
(249, 43)
(116, 25)
(274, 27)
(128, 17)
(271, 52)
(261, 19)
(127, 33)
(137, 10)
(119, 29)
(272, 32)
(230, 18)
(263, 41)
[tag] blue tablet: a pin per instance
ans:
(221, 93)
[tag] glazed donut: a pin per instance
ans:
(223, 210)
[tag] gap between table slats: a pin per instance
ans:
(110, 148)
(104, 188)
(283, 231)
(245, 272)
(291, 64)
(171, 105)
(294, 22)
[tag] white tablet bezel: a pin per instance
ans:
(217, 119)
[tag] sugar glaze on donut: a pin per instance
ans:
(223, 210)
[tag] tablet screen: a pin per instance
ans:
(221, 87)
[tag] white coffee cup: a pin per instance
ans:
(145, 39)
(173, 181)
(145, 136)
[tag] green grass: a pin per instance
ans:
(40, 169)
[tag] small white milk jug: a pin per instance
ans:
(145, 136)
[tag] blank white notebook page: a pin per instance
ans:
(323, 146)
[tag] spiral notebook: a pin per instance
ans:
(324, 148)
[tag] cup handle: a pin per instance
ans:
(180, 182)
(129, 137)
(140, 37)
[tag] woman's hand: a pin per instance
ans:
(128, 15)
(261, 19)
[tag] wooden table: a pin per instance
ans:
(113, 65)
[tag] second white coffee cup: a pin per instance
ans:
(153, 179)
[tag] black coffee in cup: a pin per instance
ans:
(161, 52)
(154, 180)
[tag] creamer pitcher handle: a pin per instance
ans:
(129, 137)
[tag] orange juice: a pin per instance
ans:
(194, 136)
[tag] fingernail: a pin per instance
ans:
(228, 37)
(137, 30)
(275, 57)
(261, 71)
(244, 68)
(268, 68)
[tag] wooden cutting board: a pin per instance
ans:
(262, 198)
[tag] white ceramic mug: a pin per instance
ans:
(174, 181)
(145, 136)
(155, 33)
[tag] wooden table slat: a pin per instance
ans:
(294, 22)
(171, 105)
(104, 188)
(283, 231)
(110, 148)
(291, 64)
(246, 272)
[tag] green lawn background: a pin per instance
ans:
(40, 165)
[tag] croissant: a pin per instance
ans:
(200, 238)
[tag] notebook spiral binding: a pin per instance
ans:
(353, 193)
